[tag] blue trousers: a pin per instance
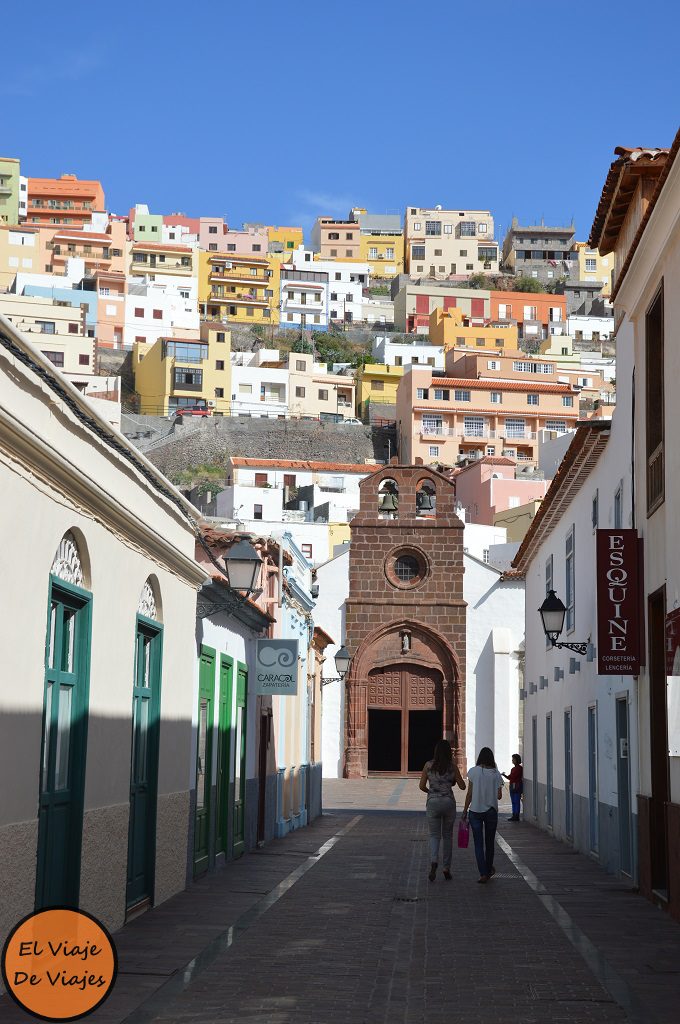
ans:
(484, 834)
(516, 801)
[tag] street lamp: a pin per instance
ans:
(243, 566)
(552, 613)
(342, 660)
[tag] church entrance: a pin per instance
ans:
(405, 718)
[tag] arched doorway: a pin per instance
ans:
(405, 717)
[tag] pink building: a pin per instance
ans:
(211, 234)
(494, 484)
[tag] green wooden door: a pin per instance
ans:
(224, 747)
(64, 742)
(238, 844)
(144, 762)
(206, 702)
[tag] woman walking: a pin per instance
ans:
(437, 780)
(516, 779)
(485, 788)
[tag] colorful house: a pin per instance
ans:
(65, 200)
(450, 328)
(173, 373)
(238, 287)
(377, 388)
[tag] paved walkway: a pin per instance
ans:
(338, 924)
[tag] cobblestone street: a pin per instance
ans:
(339, 923)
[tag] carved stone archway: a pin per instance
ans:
(403, 666)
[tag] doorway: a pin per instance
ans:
(144, 764)
(568, 777)
(424, 730)
(384, 740)
(593, 798)
(658, 741)
(223, 748)
(64, 741)
(623, 780)
(204, 775)
(405, 718)
(239, 816)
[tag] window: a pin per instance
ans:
(245, 389)
(192, 379)
(56, 358)
(482, 228)
(212, 229)
(389, 254)
(441, 394)
(300, 364)
(433, 227)
(591, 266)
(83, 360)
(257, 511)
(219, 392)
(377, 385)
(417, 226)
(257, 248)
(212, 246)
(140, 338)
(515, 427)
(448, 229)
(530, 313)
(474, 426)
(434, 451)
(496, 397)
(406, 568)
(560, 426)
(618, 507)
(417, 252)
(231, 247)
(461, 396)
(338, 277)
(220, 336)
(373, 253)
(521, 367)
(567, 401)
(348, 252)
(289, 479)
(468, 229)
(513, 501)
(432, 424)
(422, 393)
(219, 364)
(323, 395)
(493, 364)
(261, 479)
(139, 311)
(299, 392)
(490, 449)
(654, 394)
(570, 579)
(306, 551)
(73, 328)
(334, 296)
(532, 399)
(594, 515)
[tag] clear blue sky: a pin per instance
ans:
(276, 112)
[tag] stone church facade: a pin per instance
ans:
(405, 623)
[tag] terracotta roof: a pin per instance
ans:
(322, 635)
(160, 246)
(217, 577)
(312, 467)
(619, 188)
(236, 257)
(585, 449)
(490, 460)
(492, 384)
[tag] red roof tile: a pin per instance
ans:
(160, 246)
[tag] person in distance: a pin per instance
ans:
(516, 780)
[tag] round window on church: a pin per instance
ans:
(406, 568)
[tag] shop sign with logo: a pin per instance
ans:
(619, 612)
(276, 667)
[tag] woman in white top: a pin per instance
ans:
(485, 788)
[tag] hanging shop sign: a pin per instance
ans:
(276, 667)
(618, 603)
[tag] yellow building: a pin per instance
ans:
(517, 520)
(240, 288)
(284, 239)
(561, 348)
(338, 533)
(384, 253)
(377, 384)
(172, 373)
(450, 328)
(593, 267)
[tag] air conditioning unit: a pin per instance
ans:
(227, 265)
(211, 403)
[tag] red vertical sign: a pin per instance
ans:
(618, 603)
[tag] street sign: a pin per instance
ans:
(276, 667)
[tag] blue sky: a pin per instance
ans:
(278, 112)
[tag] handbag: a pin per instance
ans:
(463, 833)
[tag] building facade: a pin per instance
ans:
(64, 200)
(542, 252)
(449, 243)
(405, 624)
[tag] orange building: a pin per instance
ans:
(65, 200)
(536, 314)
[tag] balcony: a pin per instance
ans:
(165, 266)
(524, 435)
(314, 305)
(238, 278)
(471, 435)
(434, 430)
(238, 299)
(5, 190)
(182, 386)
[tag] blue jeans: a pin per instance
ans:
(484, 833)
(516, 801)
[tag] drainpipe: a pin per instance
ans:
(280, 601)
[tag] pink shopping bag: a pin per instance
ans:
(463, 833)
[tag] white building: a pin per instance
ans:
(99, 548)
(393, 353)
(346, 283)
(258, 386)
(160, 309)
(332, 579)
(304, 294)
(597, 329)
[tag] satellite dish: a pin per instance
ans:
(438, 207)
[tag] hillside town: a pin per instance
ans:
(285, 508)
